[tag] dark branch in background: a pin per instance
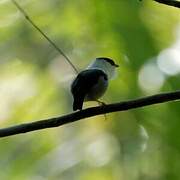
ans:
(89, 112)
(44, 35)
(169, 2)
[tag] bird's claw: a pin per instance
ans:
(101, 103)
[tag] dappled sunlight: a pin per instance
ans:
(77, 150)
(143, 37)
(3, 1)
(169, 59)
(14, 89)
(62, 72)
(152, 75)
(102, 150)
(150, 78)
(7, 17)
(8, 20)
(144, 137)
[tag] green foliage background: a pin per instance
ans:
(35, 79)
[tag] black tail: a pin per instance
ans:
(78, 103)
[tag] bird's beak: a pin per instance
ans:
(116, 65)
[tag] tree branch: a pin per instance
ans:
(89, 112)
(169, 2)
(24, 13)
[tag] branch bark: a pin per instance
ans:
(89, 112)
(169, 2)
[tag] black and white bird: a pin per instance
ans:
(91, 83)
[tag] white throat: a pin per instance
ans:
(104, 66)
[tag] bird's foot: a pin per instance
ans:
(101, 103)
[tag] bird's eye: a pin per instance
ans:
(105, 78)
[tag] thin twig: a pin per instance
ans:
(89, 112)
(44, 35)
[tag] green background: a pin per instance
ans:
(142, 37)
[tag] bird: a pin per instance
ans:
(91, 83)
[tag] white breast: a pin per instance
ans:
(97, 90)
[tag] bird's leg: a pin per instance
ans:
(102, 104)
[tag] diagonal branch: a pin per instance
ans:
(89, 112)
(24, 13)
(169, 2)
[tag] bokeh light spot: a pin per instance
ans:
(169, 61)
(150, 78)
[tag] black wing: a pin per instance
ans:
(83, 83)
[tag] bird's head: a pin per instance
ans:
(105, 64)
